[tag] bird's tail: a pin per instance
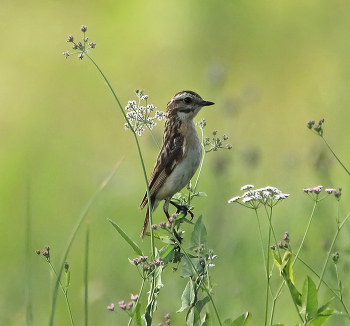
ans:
(145, 224)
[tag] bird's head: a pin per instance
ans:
(186, 105)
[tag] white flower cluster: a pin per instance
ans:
(253, 198)
(139, 116)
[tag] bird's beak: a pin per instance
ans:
(207, 103)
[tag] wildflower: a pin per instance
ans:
(134, 297)
(136, 261)
(337, 194)
(310, 123)
(273, 247)
(85, 39)
(70, 38)
(317, 189)
(111, 307)
(83, 28)
(66, 54)
(122, 305)
(214, 132)
(143, 258)
(246, 187)
(46, 254)
(92, 45)
(321, 121)
(330, 190)
(37, 252)
(129, 305)
(81, 56)
(154, 226)
(162, 225)
(224, 137)
(228, 146)
(335, 257)
(286, 237)
(280, 244)
(234, 199)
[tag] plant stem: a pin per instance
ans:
(306, 231)
(87, 240)
(339, 227)
(347, 171)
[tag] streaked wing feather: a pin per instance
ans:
(169, 156)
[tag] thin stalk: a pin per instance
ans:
(72, 236)
(138, 149)
(330, 251)
(86, 273)
(306, 231)
(261, 238)
(347, 171)
(65, 293)
(267, 276)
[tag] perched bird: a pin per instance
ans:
(180, 155)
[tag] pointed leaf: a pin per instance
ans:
(201, 303)
(133, 245)
(137, 315)
(277, 259)
(167, 254)
(296, 295)
(188, 296)
(199, 234)
(309, 298)
(323, 317)
(242, 320)
(190, 318)
(187, 266)
(321, 309)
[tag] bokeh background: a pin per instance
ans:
(269, 66)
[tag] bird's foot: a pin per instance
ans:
(182, 208)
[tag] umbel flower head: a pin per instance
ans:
(139, 114)
(81, 47)
(253, 198)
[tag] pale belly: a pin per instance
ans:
(182, 174)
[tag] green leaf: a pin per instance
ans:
(133, 245)
(321, 309)
(187, 268)
(296, 295)
(188, 296)
(137, 315)
(199, 234)
(190, 318)
(197, 317)
(322, 317)
(309, 298)
(277, 259)
(201, 194)
(167, 253)
(201, 303)
(242, 320)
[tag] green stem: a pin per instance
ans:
(267, 276)
(137, 301)
(65, 293)
(347, 171)
(138, 149)
(87, 240)
(339, 227)
(306, 231)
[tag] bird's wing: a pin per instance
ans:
(169, 156)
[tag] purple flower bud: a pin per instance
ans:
(70, 38)
(317, 189)
(111, 307)
(136, 261)
(92, 45)
(81, 56)
(321, 121)
(129, 305)
(286, 237)
(122, 305)
(85, 39)
(47, 248)
(171, 219)
(66, 54)
(167, 316)
(310, 123)
(154, 226)
(162, 225)
(143, 258)
(37, 252)
(330, 190)
(280, 244)
(273, 247)
(134, 297)
(83, 28)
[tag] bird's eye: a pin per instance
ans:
(187, 100)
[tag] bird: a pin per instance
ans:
(179, 156)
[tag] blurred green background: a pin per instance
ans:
(269, 67)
